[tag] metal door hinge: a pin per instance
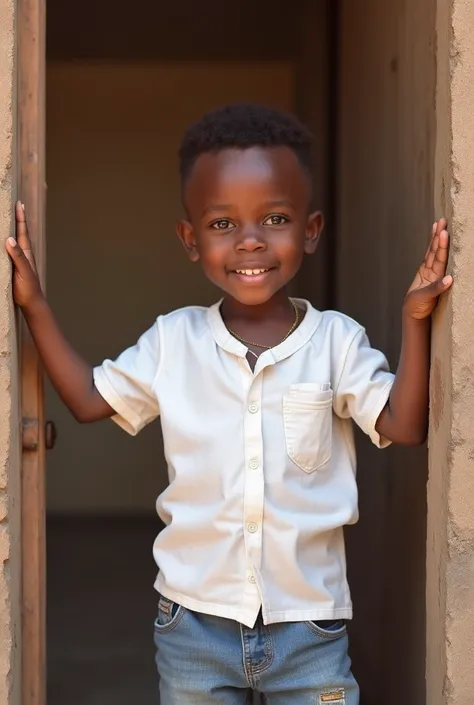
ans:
(31, 436)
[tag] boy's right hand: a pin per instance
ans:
(26, 284)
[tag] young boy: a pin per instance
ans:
(256, 397)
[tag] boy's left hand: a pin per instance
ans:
(430, 280)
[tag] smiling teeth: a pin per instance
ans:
(249, 272)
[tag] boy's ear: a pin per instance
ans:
(185, 232)
(314, 229)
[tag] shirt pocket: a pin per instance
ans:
(307, 415)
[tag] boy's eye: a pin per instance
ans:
(222, 224)
(275, 219)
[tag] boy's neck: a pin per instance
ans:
(277, 308)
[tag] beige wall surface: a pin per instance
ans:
(450, 586)
(384, 217)
(10, 555)
(114, 262)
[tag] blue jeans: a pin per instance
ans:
(205, 660)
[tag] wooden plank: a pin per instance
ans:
(31, 129)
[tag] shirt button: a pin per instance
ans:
(253, 464)
(252, 528)
(253, 407)
(252, 579)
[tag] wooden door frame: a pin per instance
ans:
(31, 65)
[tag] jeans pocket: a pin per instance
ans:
(169, 615)
(329, 631)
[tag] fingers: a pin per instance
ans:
(437, 254)
(432, 291)
(442, 225)
(19, 210)
(437, 228)
(22, 236)
(433, 234)
(433, 248)
(441, 255)
(19, 258)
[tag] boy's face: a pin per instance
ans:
(249, 222)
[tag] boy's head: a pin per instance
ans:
(247, 188)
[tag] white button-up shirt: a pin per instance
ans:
(261, 464)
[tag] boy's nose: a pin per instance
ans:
(251, 241)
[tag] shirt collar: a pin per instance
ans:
(294, 342)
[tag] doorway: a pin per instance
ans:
(120, 91)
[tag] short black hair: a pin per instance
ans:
(242, 126)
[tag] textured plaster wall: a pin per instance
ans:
(450, 584)
(9, 456)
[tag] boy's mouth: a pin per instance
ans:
(256, 275)
(251, 272)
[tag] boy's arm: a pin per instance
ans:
(70, 375)
(404, 419)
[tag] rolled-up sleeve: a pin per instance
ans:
(364, 386)
(127, 383)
